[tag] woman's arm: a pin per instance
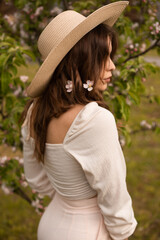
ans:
(34, 172)
(96, 147)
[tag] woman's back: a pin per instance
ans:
(58, 127)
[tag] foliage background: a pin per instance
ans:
(133, 97)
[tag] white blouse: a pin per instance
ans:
(89, 162)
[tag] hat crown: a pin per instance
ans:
(57, 30)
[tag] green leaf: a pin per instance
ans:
(30, 54)
(124, 108)
(157, 99)
(157, 130)
(124, 73)
(150, 67)
(134, 97)
(2, 58)
(2, 44)
(5, 79)
(13, 69)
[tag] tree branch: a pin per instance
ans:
(142, 53)
(139, 130)
(22, 194)
(65, 4)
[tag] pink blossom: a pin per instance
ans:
(35, 203)
(116, 73)
(128, 101)
(11, 86)
(9, 19)
(23, 78)
(131, 46)
(135, 49)
(143, 79)
(27, 8)
(122, 142)
(3, 160)
(7, 190)
(17, 91)
(41, 206)
(21, 161)
(69, 86)
(88, 85)
(126, 50)
(145, 125)
(32, 16)
(13, 149)
(23, 176)
(55, 11)
(38, 11)
(143, 47)
(40, 196)
(24, 93)
(24, 183)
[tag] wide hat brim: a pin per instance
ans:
(107, 14)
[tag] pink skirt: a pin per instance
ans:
(72, 220)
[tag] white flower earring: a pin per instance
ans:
(69, 86)
(88, 85)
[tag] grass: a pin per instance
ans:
(19, 221)
(143, 168)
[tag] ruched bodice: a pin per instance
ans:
(66, 174)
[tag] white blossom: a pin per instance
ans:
(5, 189)
(143, 47)
(17, 91)
(39, 10)
(135, 25)
(13, 149)
(131, 46)
(69, 86)
(36, 203)
(122, 141)
(55, 11)
(23, 78)
(129, 41)
(4, 159)
(88, 85)
(145, 125)
(9, 19)
(128, 101)
(116, 73)
(27, 8)
(40, 196)
(24, 184)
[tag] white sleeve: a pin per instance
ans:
(34, 172)
(96, 147)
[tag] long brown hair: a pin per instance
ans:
(83, 62)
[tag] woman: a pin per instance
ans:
(71, 147)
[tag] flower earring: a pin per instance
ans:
(88, 85)
(69, 86)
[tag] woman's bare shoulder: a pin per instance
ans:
(58, 127)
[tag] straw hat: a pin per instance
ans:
(62, 33)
